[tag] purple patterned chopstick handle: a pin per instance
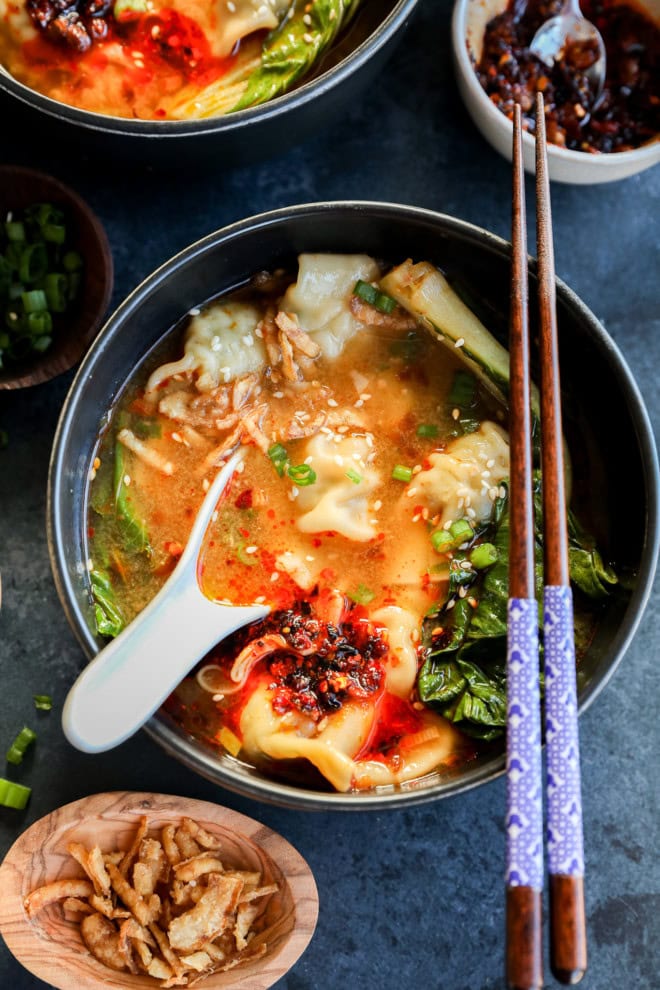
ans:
(524, 820)
(565, 840)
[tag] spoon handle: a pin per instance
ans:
(132, 676)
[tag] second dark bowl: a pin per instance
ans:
(607, 427)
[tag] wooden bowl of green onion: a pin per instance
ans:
(55, 277)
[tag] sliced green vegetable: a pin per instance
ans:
(133, 530)
(484, 555)
(372, 295)
(363, 595)
(301, 474)
(279, 457)
(461, 531)
(402, 473)
(18, 748)
(107, 614)
(291, 49)
(13, 795)
(42, 702)
(427, 430)
(442, 540)
(353, 476)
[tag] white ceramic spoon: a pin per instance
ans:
(131, 677)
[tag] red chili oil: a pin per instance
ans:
(166, 47)
(628, 112)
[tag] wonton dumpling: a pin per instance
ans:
(401, 667)
(464, 471)
(334, 502)
(220, 346)
(224, 27)
(321, 295)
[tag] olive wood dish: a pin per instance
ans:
(75, 329)
(606, 424)
(52, 949)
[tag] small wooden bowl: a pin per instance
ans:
(75, 329)
(52, 949)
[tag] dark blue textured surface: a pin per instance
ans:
(410, 899)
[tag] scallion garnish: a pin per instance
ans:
(484, 555)
(427, 430)
(353, 476)
(43, 702)
(370, 294)
(442, 540)
(279, 457)
(362, 595)
(461, 531)
(301, 474)
(16, 751)
(402, 473)
(13, 795)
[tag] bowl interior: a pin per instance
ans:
(598, 407)
(52, 947)
(19, 188)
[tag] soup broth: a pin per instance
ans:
(374, 462)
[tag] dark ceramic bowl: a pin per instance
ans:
(349, 66)
(608, 431)
(21, 187)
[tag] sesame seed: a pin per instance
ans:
(260, 599)
(226, 373)
(216, 344)
(359, 403)
(411, 492)
(455, 413)
(418, 706)
(177, 437)
(490, 463)
(308, 460)
(462, 592)
(501, 491)
(327, 431)
(342, 429)
(250, 549)
(417, 517)
(492, 493)
(450, 603)
(258, 332)
(214, 517)
(461, 503)
(417, 468)
(127, 480)
(217, 697)
(248, 340)
(90, 565)
(307, 38)
(240, 467)
(473, 602)
(274, 576)
(485, 474)
(278, 395)
(339, 460)
(333, 403)
(295, 492)
(92, 474)
(365, 396)
(231, 6)
(415, 636)
(206, 484)
(460, 342)
(378, 505)
(332, 15)
(307, 20)
(447, 525)
(139, 64)
(370, 440)
(310, 558)
(356, 456)
(155, 31)
(337, 438)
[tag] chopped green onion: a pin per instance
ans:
(279, 457)
(427, 430)
(402, 473)
(245, 558)
(463, 390)
(363, 595)
(43, 702)
(33, 262)
(461, 531)
(34, 301)
(125, 10)
(43, 214)
(54, 232)
(72, 261)
(42, 344)
(484, 555)
(442, 540)
(16, 751)
(15, 230)
(13, 795)
(366, 292)
(370, 294)
(145, 428)
(55, 286)
(38, 324)
(353, 476)
(301, 474)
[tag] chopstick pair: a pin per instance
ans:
(524, 822)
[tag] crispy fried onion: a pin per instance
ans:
(184, 916)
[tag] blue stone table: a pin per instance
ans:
(412, 899)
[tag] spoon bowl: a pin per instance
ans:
(570, 34)
(133, 675)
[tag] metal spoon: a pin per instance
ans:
(568, 26)
(131, 677)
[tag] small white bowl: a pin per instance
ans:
(469, 22)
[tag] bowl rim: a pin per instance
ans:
(50, 367)
(647, 153)
(225, 123)
(414, 792)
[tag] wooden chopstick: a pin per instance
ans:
(568, 946)
(568, 942)
(524, 819)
